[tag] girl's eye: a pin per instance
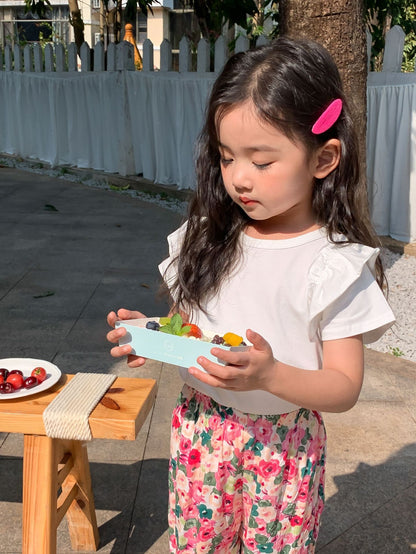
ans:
(262, 166)
(226, 161)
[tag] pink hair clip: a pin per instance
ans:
(328, 117)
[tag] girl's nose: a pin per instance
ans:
(241, 177)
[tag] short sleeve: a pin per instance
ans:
(168, 269)
(344, 298)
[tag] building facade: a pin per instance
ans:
(170, 20)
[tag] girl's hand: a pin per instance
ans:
(115, 335)
(253, 369)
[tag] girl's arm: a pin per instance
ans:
(334, 388)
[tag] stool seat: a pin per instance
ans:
(56, 474)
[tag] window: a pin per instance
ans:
(141, 27)
(96, 4)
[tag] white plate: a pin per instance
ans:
(27, 365)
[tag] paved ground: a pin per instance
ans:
(99, 251)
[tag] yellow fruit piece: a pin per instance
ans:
(232, 339)
(164, 320)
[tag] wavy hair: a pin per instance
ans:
(290, 82)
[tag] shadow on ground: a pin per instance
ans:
(376, 507)
(140, 520)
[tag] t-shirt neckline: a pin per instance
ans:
(284, 243)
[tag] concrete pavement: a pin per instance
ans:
(63, 269)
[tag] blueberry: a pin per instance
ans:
(152, 325)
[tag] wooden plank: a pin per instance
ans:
(82, 522)
(136, 400)
(39, 490)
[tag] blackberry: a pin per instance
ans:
(217, 340)
(152, 325)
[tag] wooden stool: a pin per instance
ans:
(53, 465)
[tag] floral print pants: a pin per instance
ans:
(242, 483)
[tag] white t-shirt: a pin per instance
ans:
(296, 293)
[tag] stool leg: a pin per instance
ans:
(39, 495)
(82, 522)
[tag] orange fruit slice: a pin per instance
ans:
(232, 339)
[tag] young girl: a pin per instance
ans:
(277, 247)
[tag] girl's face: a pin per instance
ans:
(269, 176)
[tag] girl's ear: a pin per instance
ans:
(327, 158)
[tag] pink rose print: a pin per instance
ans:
(268, 468)
(194, 457)
(206, 530)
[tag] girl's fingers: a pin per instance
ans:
(116, 334)
(112, 318)
(217, 370)
(118, 351)
(135, 361)
(122, 313)
(209, 378)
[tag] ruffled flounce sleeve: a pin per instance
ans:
(168, 269)
(343, 296)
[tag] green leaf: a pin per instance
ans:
(176, 323)
(166, 329)
(184, 330)
(116, 188)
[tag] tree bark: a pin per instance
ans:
(77, 23)
(339, 26)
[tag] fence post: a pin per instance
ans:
(184, 55)
(85, 55)
(165, 56)
(220, 53)
(241, 44)
(125, 56)
(99, 62)
(1, 59)
(203, 56)
(27, 58)
(111, 57)
(393, 50)
(38, 57)
(49, 65)
(60, 59)
(148, 63)
(72, 57)
(262, 40)
(8, 58)
(17, 51)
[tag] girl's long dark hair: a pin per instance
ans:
(290, 82)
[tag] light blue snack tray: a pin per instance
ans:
(172, 349)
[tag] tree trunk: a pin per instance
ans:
(77, 23)
(339, 26)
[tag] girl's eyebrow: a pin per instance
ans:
(257, 148)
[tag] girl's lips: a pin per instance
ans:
(246, 201)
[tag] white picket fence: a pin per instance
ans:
(34, 58)
(95, 111)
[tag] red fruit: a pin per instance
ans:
(30, 382)
(194, 332)
(16, 380)
(4, 372)
(1, 379)
(39, 373)
(6, 388)
(17, 371)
